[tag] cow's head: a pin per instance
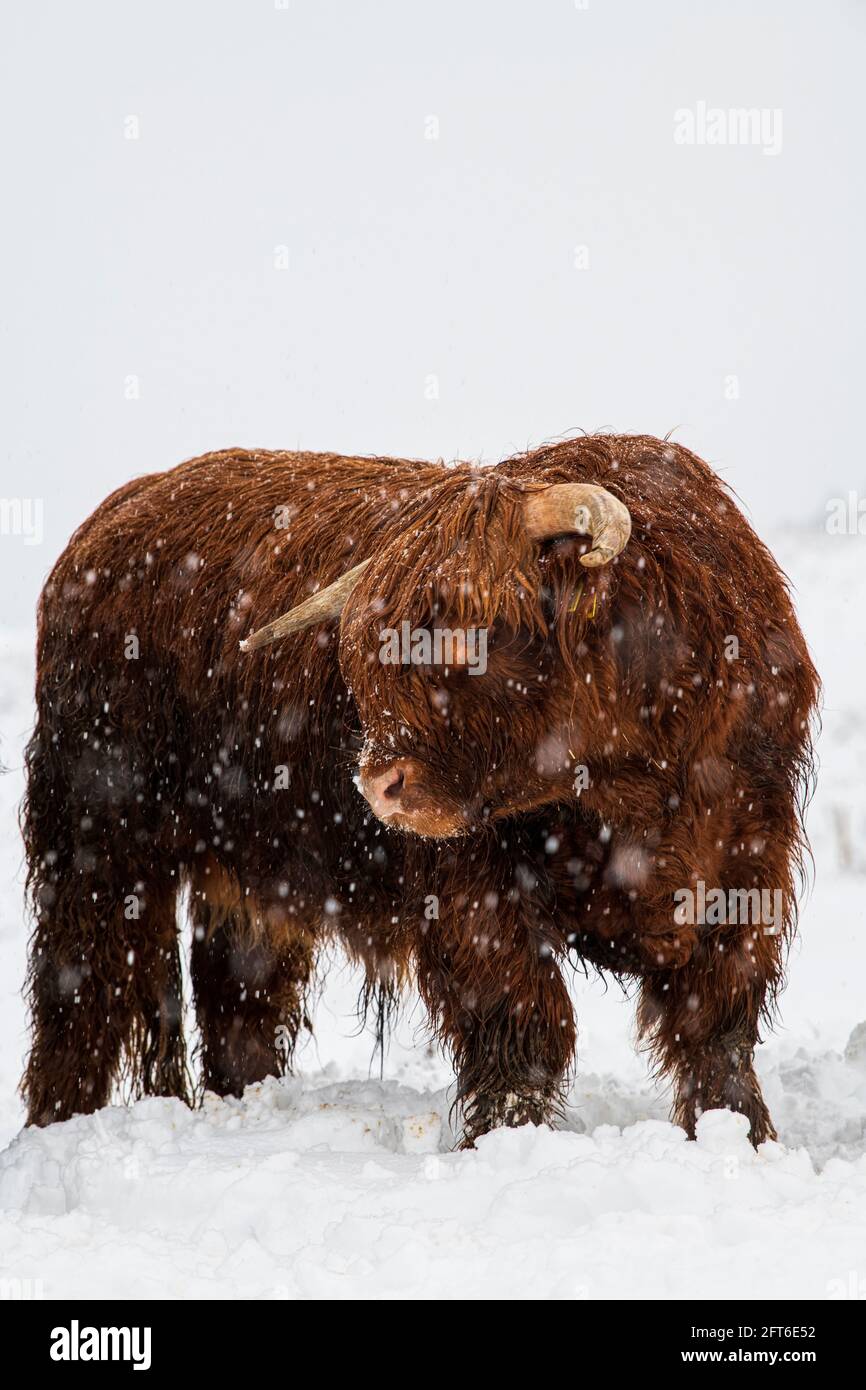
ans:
(464, 642)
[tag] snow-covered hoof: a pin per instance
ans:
(508, 1111)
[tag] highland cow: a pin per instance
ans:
(215, 718)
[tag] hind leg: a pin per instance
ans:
(103, 969)
(104, 988)
(251, 964)
(162, 1068)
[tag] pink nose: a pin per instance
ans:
(385, 791)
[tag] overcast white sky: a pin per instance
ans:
(409, 257)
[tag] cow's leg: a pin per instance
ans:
(701, 1022)
(251, 963)
(488, 971)
(161, 1061)
(104, 973)
(705, 988)
(104, 987)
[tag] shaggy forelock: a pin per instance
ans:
(466, 558)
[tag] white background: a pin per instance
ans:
(305, 128)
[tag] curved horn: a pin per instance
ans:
(327, 603)
(583, 507)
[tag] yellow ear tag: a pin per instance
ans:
(578, 594)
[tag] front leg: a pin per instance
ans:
(701, 1022)
(704, 988)
(707, 981)
(489, 974)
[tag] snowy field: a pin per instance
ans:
(336, 1184)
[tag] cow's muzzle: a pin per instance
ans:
(399, 795)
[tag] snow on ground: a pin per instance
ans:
(336, 1184)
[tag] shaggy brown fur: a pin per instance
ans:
(161, 753)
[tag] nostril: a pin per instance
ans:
(386, 791)
(394, 788)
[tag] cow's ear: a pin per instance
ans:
(582, 509)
